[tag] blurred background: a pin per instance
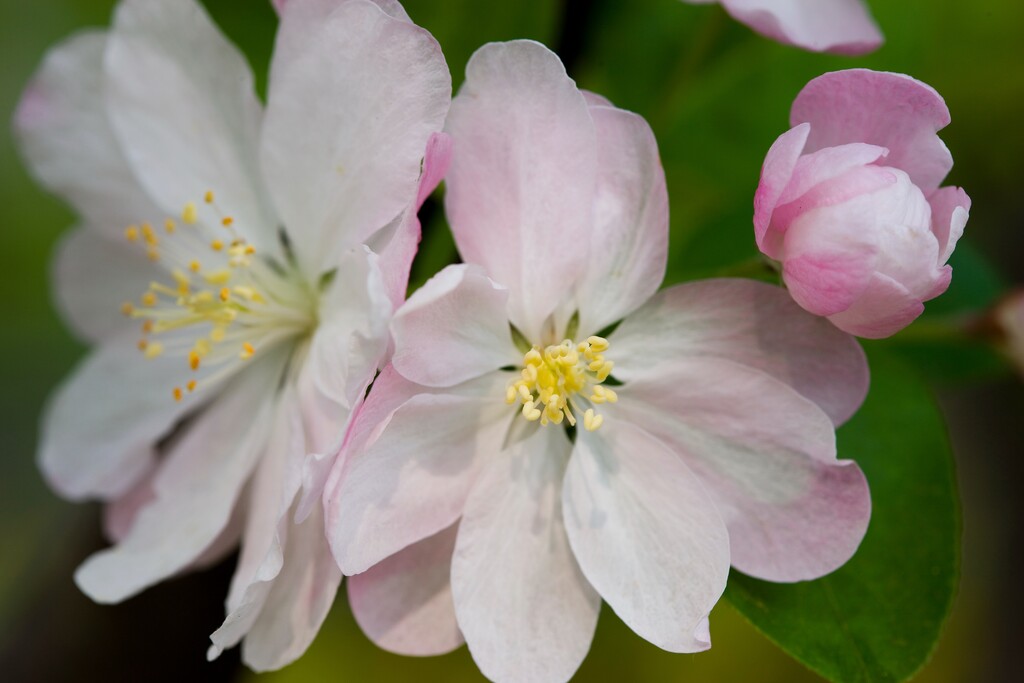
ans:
(717, 96)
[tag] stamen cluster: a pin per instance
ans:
(561, 376)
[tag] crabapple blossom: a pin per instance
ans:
(221, 274)
(849, 201)
(521, 459)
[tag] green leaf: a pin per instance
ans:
(878, 618)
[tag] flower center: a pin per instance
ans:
(223, 302)
(559, 380)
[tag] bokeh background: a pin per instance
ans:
(717, 96)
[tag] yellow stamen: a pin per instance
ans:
(227, 221)
(208, 197)
(127, 308)
(153, 349)
(193, 359)
(178, 394)
(189, 215)
(216, 245)
(149, 299)
(131, 233)
(194, 266)
(247, 351)
(191, 386)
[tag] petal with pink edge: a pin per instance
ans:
(182, 102)
(516, 586)
(842, 27)
(951, 208)
(776, 173)
(750, 323)
(766, 456)
(345, 168)
(412, 480)
(885, 109)
(884, 308)
(629, 237)
(646, 535)
(520, 191)
(453, 329)
(404, 603)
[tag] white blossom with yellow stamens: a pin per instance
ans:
(221, 274)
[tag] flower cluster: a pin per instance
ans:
(535, 430)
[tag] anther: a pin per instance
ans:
(153, 349)
(216, 245)
(247, 351)
(227, 221)
(190, 214)
(170, 226)
(149, 299)
(178, 394)
(131, 233)
(191, 386)
(127, 308)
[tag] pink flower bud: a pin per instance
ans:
(849, 201)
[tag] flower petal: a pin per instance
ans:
(298, 602)
(182, 103)
(766, 455)
(101, 425)
(646, 535)
(345, 168)
(776, 173)
(195, 490)
(92, 276)
(398, 249)
(404, 603)
(453, 329)
(523, 605)
(746, 322)
(411, 480)
(838, 26)
(62, 126)
(629, 237)
(520, 192)
(885, 109)
(950, 209)
(884, 308)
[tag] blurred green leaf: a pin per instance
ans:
(878, 618)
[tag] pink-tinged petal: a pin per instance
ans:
(951, 208)
(411, 480)
(646, 535)
(404, 603)
(843, 27)
(884, 308)
(397, 247)
(92, 276)
(183, 105)
(629, 236)
(298, 602)
(885, 109)
(453, 329)
(194, 491)
(595, 99)
(347, 167)
(524, 607)
(101, 426)
(766, 455)
(776, 173)
(745, 322)
(828, 283)
(520, 191)
(64, 134)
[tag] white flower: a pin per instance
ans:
(219, 271)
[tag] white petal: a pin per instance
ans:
(524, 607)
(195, 489)
(65, 135)
(182, 104)
(354, 96)
(298, 602)
(750, 323)
(629, 238)
(646, 535)
(766, 456)
(453, 329)
(102, 424)
(404, 604)
(520, 192)
(412, 480)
